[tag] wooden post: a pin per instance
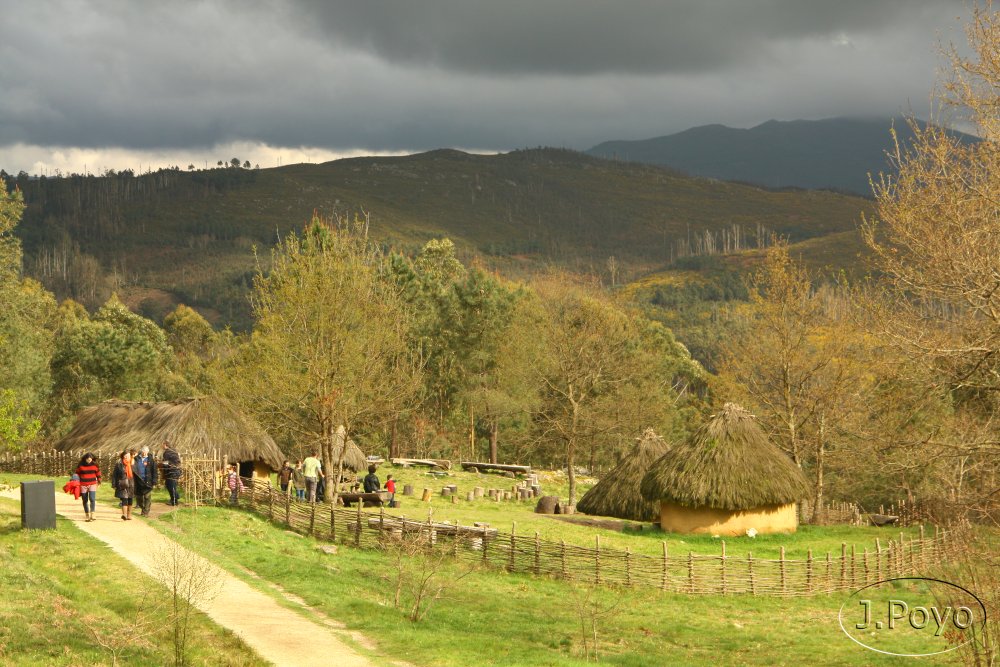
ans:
(878, 559)
(333, 523)
(486, 542)
(843, 565)
(753, 584)
(513, 529)
(690, 572)
(562, 557)
(270, 503)
(829, 572)
(427, 496)
(537, 554)
(784, 583)
(900, 561)
(854, 573)
(628, 567)
(663, 582)
(312, 519)
(357, 532)
(597, 561)
(722, 569)
(865, 562)
(809, 571)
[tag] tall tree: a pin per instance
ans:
(329, 343)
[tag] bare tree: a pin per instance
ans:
(190, 581)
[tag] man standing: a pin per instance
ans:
(285, 477)
(144, 472)
(312, 470)
(172, 471)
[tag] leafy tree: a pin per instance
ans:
(329, 344)
(196, 345)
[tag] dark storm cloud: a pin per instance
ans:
(412, 75)
(596, 36)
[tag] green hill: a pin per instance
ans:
(175, 236)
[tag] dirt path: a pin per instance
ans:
(276, 633)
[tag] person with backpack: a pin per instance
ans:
(172, 472)
(144, 475)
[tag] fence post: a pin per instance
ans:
(854, 569)
(900, 557)
(865, 562)
(270, 503)
(562, 557)
(357, 527)
(628, 567)
(690, 572)
(809, 571)
(486, 543)
(878, 558)
(722, 569)
(288, 511)
(829, 572)
(753, 584)
(513, 546)
(784, 583)
(843, 565)
(597, 561)
(663, 583)
(537, 555)
(312, 519)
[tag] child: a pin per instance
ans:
(299, 480)
(390, 486)
(235, 484)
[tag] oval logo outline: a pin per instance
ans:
(840, 616)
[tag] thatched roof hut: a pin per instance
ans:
(195, 427)
(354, 459)
(617, 494)
(726, 478)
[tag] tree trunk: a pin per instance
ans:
(820, 455)
(494, 435)
(393, 442)
(571, 452)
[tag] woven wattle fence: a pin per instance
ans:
(724, 574)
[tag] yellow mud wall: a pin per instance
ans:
(766, 519)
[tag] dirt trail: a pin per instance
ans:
(276, 633)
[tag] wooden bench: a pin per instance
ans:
(376, 499)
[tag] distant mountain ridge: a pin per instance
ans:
(833, 154)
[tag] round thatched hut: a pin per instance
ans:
(195, 427)
(725, 479)
(354, 459)
(617, 494)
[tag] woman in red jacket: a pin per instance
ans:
(90, 479)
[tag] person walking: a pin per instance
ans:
(144, 475)
(285, 477)
(90, 478)
(234, 483)
(312, 470)
(124, 483)
(299, 480)
(172, 472)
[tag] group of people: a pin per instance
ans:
(307, 480)
(133, 479)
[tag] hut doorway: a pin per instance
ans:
(246, 469)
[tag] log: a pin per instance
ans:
(443, 464)
(883, 519)
(496, 467)
(548, 505)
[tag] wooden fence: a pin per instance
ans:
(722, 574)
(200, 482)
(908, 514)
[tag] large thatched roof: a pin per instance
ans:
(354, 459)
(617, 494)
(193, 426)
(727, 464)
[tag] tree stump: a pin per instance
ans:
(427, 495)
(478, 491)
(445, 491)
(407, 489)
(548, 505)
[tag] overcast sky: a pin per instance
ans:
(125, 84)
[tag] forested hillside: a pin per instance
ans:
(175, 236)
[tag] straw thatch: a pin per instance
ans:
(727, 464)
(617, 494)
(194, 427)
(354, 459)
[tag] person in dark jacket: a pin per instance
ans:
(285, 476)
(90, 478)
(123, 481)
(372, 485)
(144, 475)
(172, 472)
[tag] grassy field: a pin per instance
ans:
(64, 593)
(493, 618)
(639, 537)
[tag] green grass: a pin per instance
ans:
(60, 587)
(643, 538)
(493, 618)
